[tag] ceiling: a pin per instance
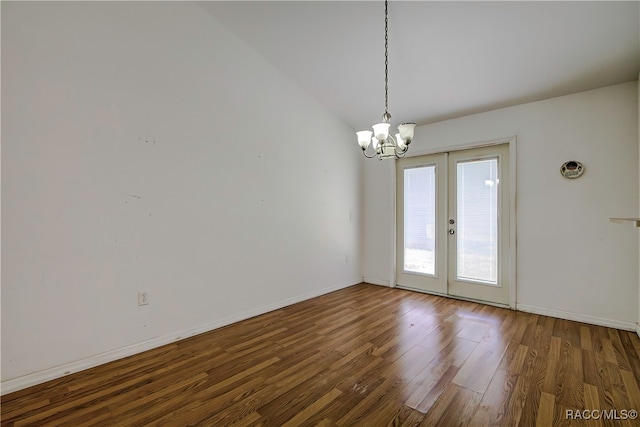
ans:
(446, 59)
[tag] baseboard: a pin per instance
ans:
(22, 382)
(638, 329)
(378, 282)
(584, 318)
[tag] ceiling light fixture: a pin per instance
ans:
(384, 145)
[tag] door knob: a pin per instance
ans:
(452, 231)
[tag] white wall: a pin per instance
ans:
(572, 261)
(144, 147)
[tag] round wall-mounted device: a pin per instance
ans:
(572, 169)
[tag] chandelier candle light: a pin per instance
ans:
(384, 145)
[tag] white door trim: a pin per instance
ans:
(512, 141)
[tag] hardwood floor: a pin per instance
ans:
(362, 356)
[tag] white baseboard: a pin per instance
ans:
(19, 383)
(584, 318)
(638, 329)
(378, 282)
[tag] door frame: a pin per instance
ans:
(512, 256)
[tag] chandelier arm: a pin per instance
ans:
(368, 157)
(400, 154)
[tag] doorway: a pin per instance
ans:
(453, 223)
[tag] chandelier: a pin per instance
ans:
(384, 145)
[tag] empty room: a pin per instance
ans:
(335, 213)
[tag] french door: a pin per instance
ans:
(453, 223)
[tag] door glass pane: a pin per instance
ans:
(477, 228)
(420, 219)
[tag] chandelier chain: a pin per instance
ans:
(386, 59)
(384, 145)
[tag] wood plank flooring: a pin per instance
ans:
(362, 356)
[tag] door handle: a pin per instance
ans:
(452, 231)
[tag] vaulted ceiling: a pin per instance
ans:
(446, 59)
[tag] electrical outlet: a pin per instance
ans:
(143, 297)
